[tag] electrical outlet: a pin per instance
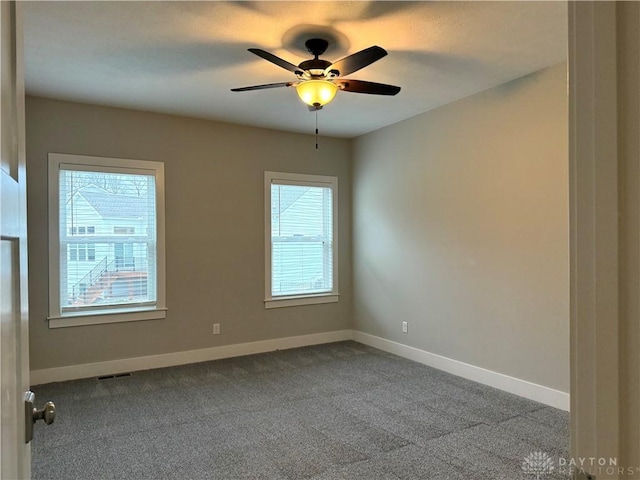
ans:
(216, 329)
(405, 327)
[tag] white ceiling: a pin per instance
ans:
(183, 57)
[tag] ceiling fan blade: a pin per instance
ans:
(358, 60)
(276, 60)
(372, 88)
(262, 87)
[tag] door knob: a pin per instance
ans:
(32, 414)
(47, 414)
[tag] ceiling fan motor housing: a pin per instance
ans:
(315, 64)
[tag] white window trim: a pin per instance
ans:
(128, 314)
(298, 179)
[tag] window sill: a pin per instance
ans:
(115, 316)
(296, 301)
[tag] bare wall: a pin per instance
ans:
(461, 228)
(214, 234)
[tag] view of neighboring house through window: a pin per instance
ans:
(113, 269)
(301, 239)
(108, 237)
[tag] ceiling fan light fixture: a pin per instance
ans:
(316, 93)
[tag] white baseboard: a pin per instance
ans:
(110, 367)
(539, 393)
(532, 391)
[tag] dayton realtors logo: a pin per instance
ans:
(538, 464)
(541, 464)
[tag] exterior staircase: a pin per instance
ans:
(99, 282)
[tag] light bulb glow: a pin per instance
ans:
(316, 92)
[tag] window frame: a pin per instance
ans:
(57, 318)
(282, 178)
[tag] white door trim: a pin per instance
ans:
(593, 177)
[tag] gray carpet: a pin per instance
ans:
(338, 411)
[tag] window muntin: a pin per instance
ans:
(301, 236)
(99, 270)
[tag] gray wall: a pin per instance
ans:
(214, 234)
(461, 228)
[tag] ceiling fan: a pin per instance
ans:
(319, 80)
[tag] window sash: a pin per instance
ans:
(326, 240)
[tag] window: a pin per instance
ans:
(82, 230)
(107, 227)
(301, 239)
(82, 252)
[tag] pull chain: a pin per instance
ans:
(316, 129)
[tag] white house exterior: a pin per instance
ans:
(106, 241)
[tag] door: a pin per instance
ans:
(14, 335)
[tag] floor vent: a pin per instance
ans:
(117, 375)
